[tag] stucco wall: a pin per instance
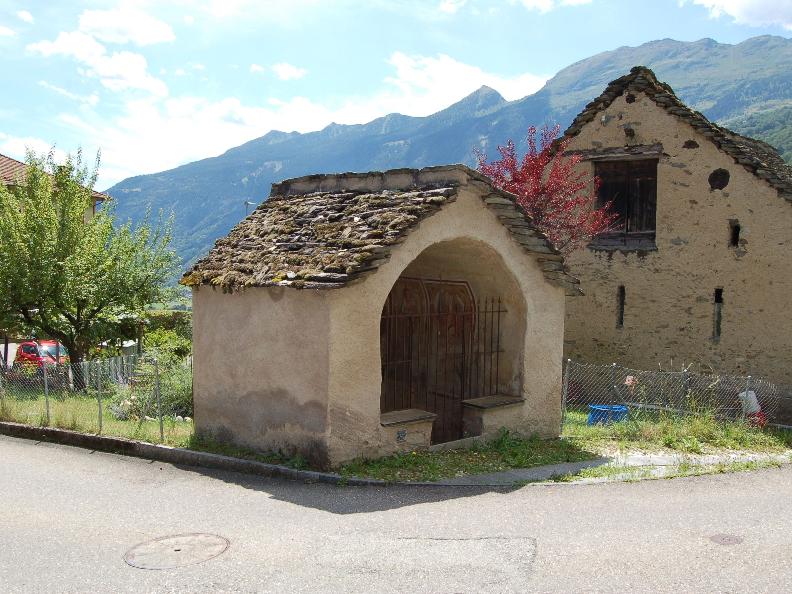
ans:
(354, 368)
(669, 293)
(260, 360)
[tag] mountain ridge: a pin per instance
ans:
(747, 86)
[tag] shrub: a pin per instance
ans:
(176, 390)
(168, 319)
(166, 345)
(138, 400)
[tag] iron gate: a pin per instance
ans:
(439, 347)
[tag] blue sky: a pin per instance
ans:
(157, 84)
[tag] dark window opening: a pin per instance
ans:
(734, 233)
(620, 310)
(631, 188)
(718, 315)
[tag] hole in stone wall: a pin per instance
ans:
(630, 98)
(719, 179)
(621, 295)
(734, 233)
(690, 144)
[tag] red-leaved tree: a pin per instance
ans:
(559, 197)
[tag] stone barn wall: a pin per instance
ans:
(669, 293)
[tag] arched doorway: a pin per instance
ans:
(442, 336)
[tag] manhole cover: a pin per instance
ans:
(726, 539)
(170, 552)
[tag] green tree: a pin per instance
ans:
(66, 274)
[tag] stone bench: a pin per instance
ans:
(487, 414)
(407, 429)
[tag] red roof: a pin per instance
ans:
(12, 171)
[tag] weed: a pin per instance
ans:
(504, 452)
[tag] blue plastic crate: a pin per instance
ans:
(606, 413)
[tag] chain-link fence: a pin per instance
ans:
(129, 396)
(598, 393)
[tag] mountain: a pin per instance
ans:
(747, 87)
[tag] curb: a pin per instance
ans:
(181, 456)
(185, 457)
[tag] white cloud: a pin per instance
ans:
(752, 12)
(428, 84)
(274, 11)
(197, 66)
(118, 71)
(285, 71)
(6, 32)
(188, 19)
(180, 72)
(125, 24)
(152, 134)
(451, 6)
(17, 147)
(548, 5)
(91, 99)
(256, 68)
(24, 15)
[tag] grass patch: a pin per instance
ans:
(80, 412)
(635, 473)
(503, 453)
(722, 468)
(694, 434)
(607, 471)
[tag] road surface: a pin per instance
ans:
(69, 516)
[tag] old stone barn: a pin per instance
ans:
(699, 271)
(361, 314)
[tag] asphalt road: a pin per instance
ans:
(69, 516)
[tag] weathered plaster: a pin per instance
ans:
(669, 292)
(355, 358)
(299, 370)
(260, 361)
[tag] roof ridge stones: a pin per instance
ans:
(325, 231)
(756, 156)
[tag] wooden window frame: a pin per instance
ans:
(637, 205)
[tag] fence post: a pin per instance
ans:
(686, 389)
(3, 369)
(747, 389)
(99, 391)
(159, 399)
(46, 390)
(565, 393)
(615, 392)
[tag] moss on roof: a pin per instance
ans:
(330, 237)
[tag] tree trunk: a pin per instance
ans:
(76, 357)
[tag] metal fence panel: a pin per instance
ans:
(651, 393)
(120, 396)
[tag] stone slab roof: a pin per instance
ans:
(325, 231)
(13, 171)
(756, 156)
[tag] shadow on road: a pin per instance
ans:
(345, 499)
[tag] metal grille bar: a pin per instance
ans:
(433, 360)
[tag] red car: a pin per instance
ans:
(41, 352)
